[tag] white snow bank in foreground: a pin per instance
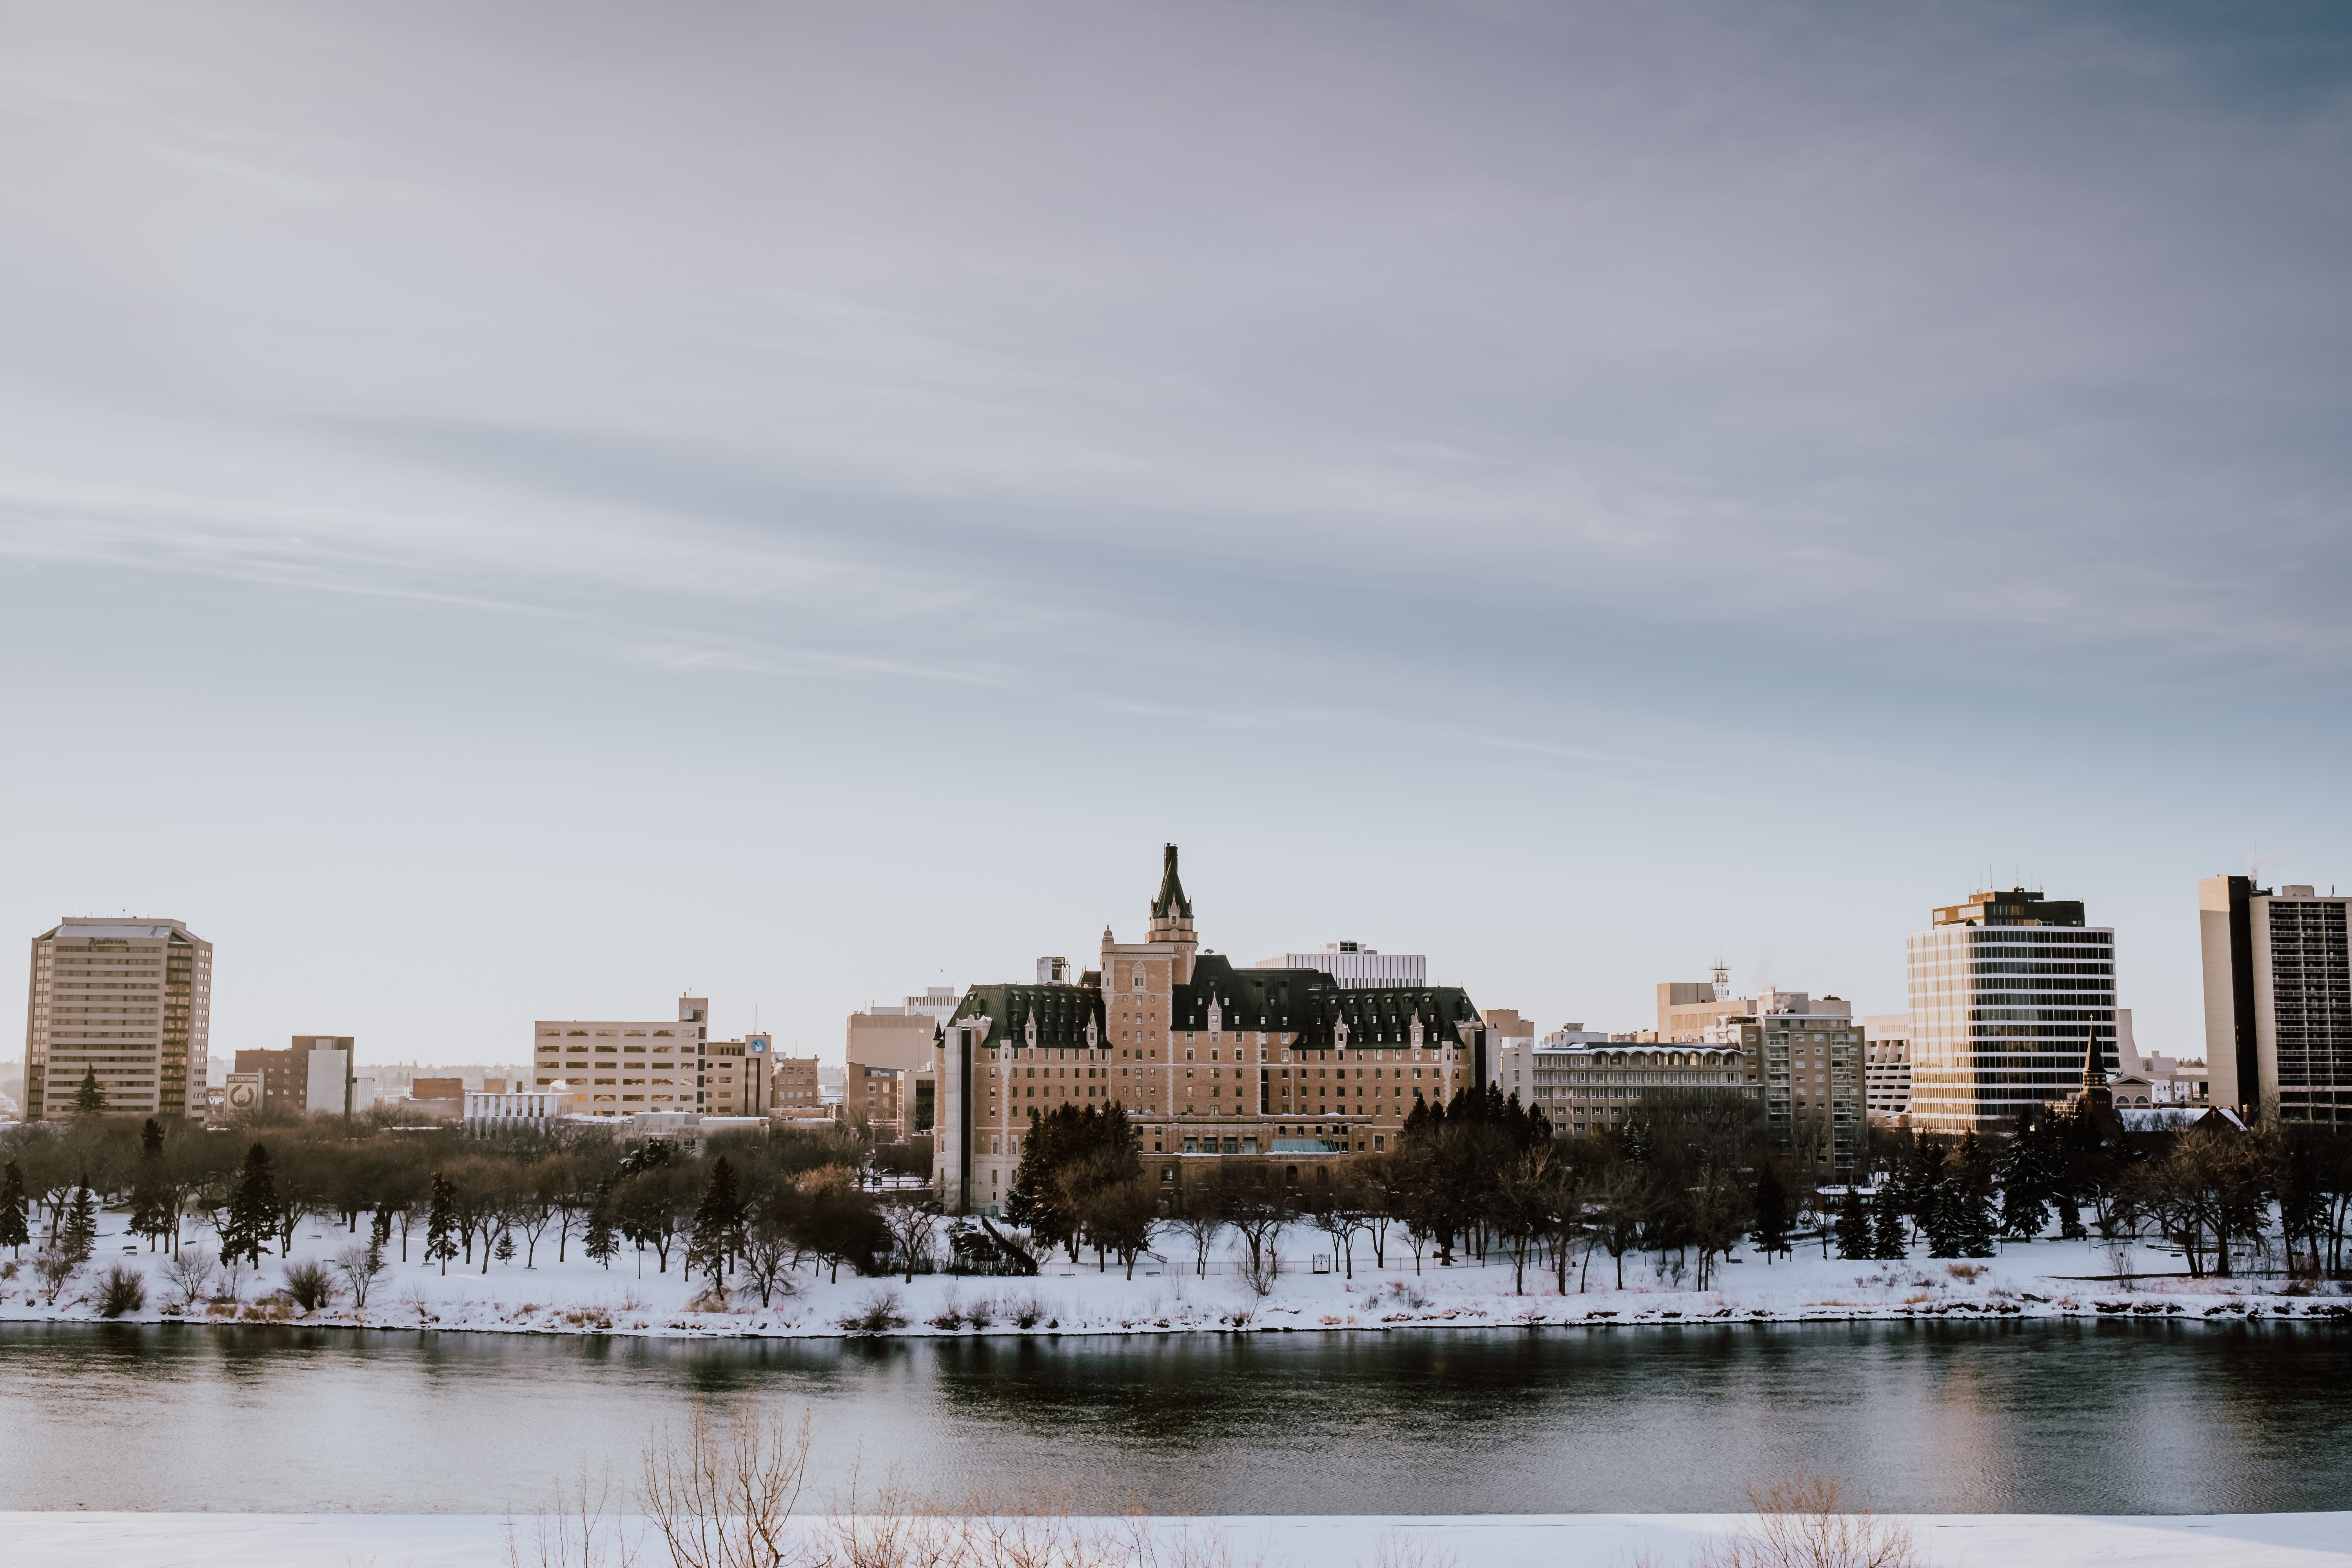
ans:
(1482, 1541)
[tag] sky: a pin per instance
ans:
(523, 511)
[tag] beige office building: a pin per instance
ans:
(129, 1000)
(735, 1076)
(2278, 1000)
(617, 1068)
(1688, 1009)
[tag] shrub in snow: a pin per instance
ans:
(309, 1285)
(121, 1290)
(878, 1313)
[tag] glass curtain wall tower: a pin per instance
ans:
(2007, 989)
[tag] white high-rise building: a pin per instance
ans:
(2278, 1000)
(1353, 964)
(2007, 991)
(128, 1000)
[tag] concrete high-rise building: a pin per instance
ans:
(1886, 1067)
(1352, 963)
(2278, 1000)
(1806, 1052)
(129, 1000)
(2007, 989)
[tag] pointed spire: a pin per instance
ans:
(1171, 901)
(2094, 1066)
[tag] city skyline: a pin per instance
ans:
(1575, 494)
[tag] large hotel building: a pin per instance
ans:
(2007, 989)
(130, 1001)
(1278, 1063)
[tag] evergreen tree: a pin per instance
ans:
(152, 1198)
(252, 1209)
(1888, 1242)
(14, 1232)
(1972, 1212)
(1771, 1232)
(90, 1099)
(717, 1223)
(1853, 1227)
(440, 1223)
(506, 1247)
(2069, 1216)
(79, 1239)
(600, 1243)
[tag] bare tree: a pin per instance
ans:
(1338, 1214)
(361, 1265)
(189, 1273)
(1202, 1213)
(1257, 1212)
(583, 1531)
(1803, 1521)
(769, 1253)
(911, 1229)
(530, 1210)
(723, 1498)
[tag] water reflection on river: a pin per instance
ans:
(2106, 1418)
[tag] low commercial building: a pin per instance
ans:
(1589, 1088)
(284, 1077)
(488, 1113)
(794, 1092)
(876, 1098)
(1352, 964)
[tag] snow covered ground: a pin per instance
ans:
(2044, 1278)
(1488, 1540)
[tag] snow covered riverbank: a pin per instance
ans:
(2041, 1279)
(1488, 1541)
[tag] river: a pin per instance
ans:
(2037, 1416)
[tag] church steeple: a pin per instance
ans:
(2097, 1099)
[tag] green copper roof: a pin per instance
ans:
(1171, 900)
